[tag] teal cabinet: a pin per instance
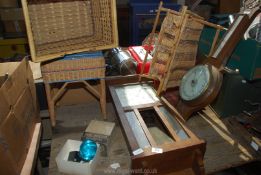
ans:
(246, 57)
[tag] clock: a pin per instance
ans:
(199, 87)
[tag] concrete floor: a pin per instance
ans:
(71, 123)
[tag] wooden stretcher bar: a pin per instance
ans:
(52, 97)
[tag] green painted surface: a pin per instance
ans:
(246, 57)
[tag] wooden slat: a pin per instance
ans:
(167, 124)
(151, 37)
(214, 42)
(103, 98)
(91, 89)
(148, 76)
(209, 24)
(132, 142)
(143, 106)
(172, 109)
(180, 120)
(29, 28)
(145, 128)
(60, 92)
(50, 103)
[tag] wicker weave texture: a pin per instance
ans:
(185, 52)
(168, 38)
(59, 27)
(86, 74)
(72, 70)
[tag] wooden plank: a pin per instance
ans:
(28, 28)
(174, 110)
(167, 124)
(103, 98)
(60, 92)
(32, 152)
(209, 24)
(143, 106)
(50, 103)
(145, 128)
(91, 89)
(114, 25)
(214, 42)
(129, 135)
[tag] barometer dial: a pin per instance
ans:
(195, 83)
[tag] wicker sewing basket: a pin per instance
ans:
(75, 67)
(59, 27)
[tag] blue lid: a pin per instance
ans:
(150, 1)
(83, 55)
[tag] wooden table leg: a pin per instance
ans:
(103, 98)
(50, 103)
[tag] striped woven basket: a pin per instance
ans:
(74, 67)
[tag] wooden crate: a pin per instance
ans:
(60, 27)
(19, 114)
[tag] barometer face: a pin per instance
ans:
(195, 83)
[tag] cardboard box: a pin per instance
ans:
(25, 111)
(19, 113)
(15, 75)
(7, 165)
(4, 107)
(12, 135)
(17, 129)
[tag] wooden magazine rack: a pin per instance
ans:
(177, 46)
